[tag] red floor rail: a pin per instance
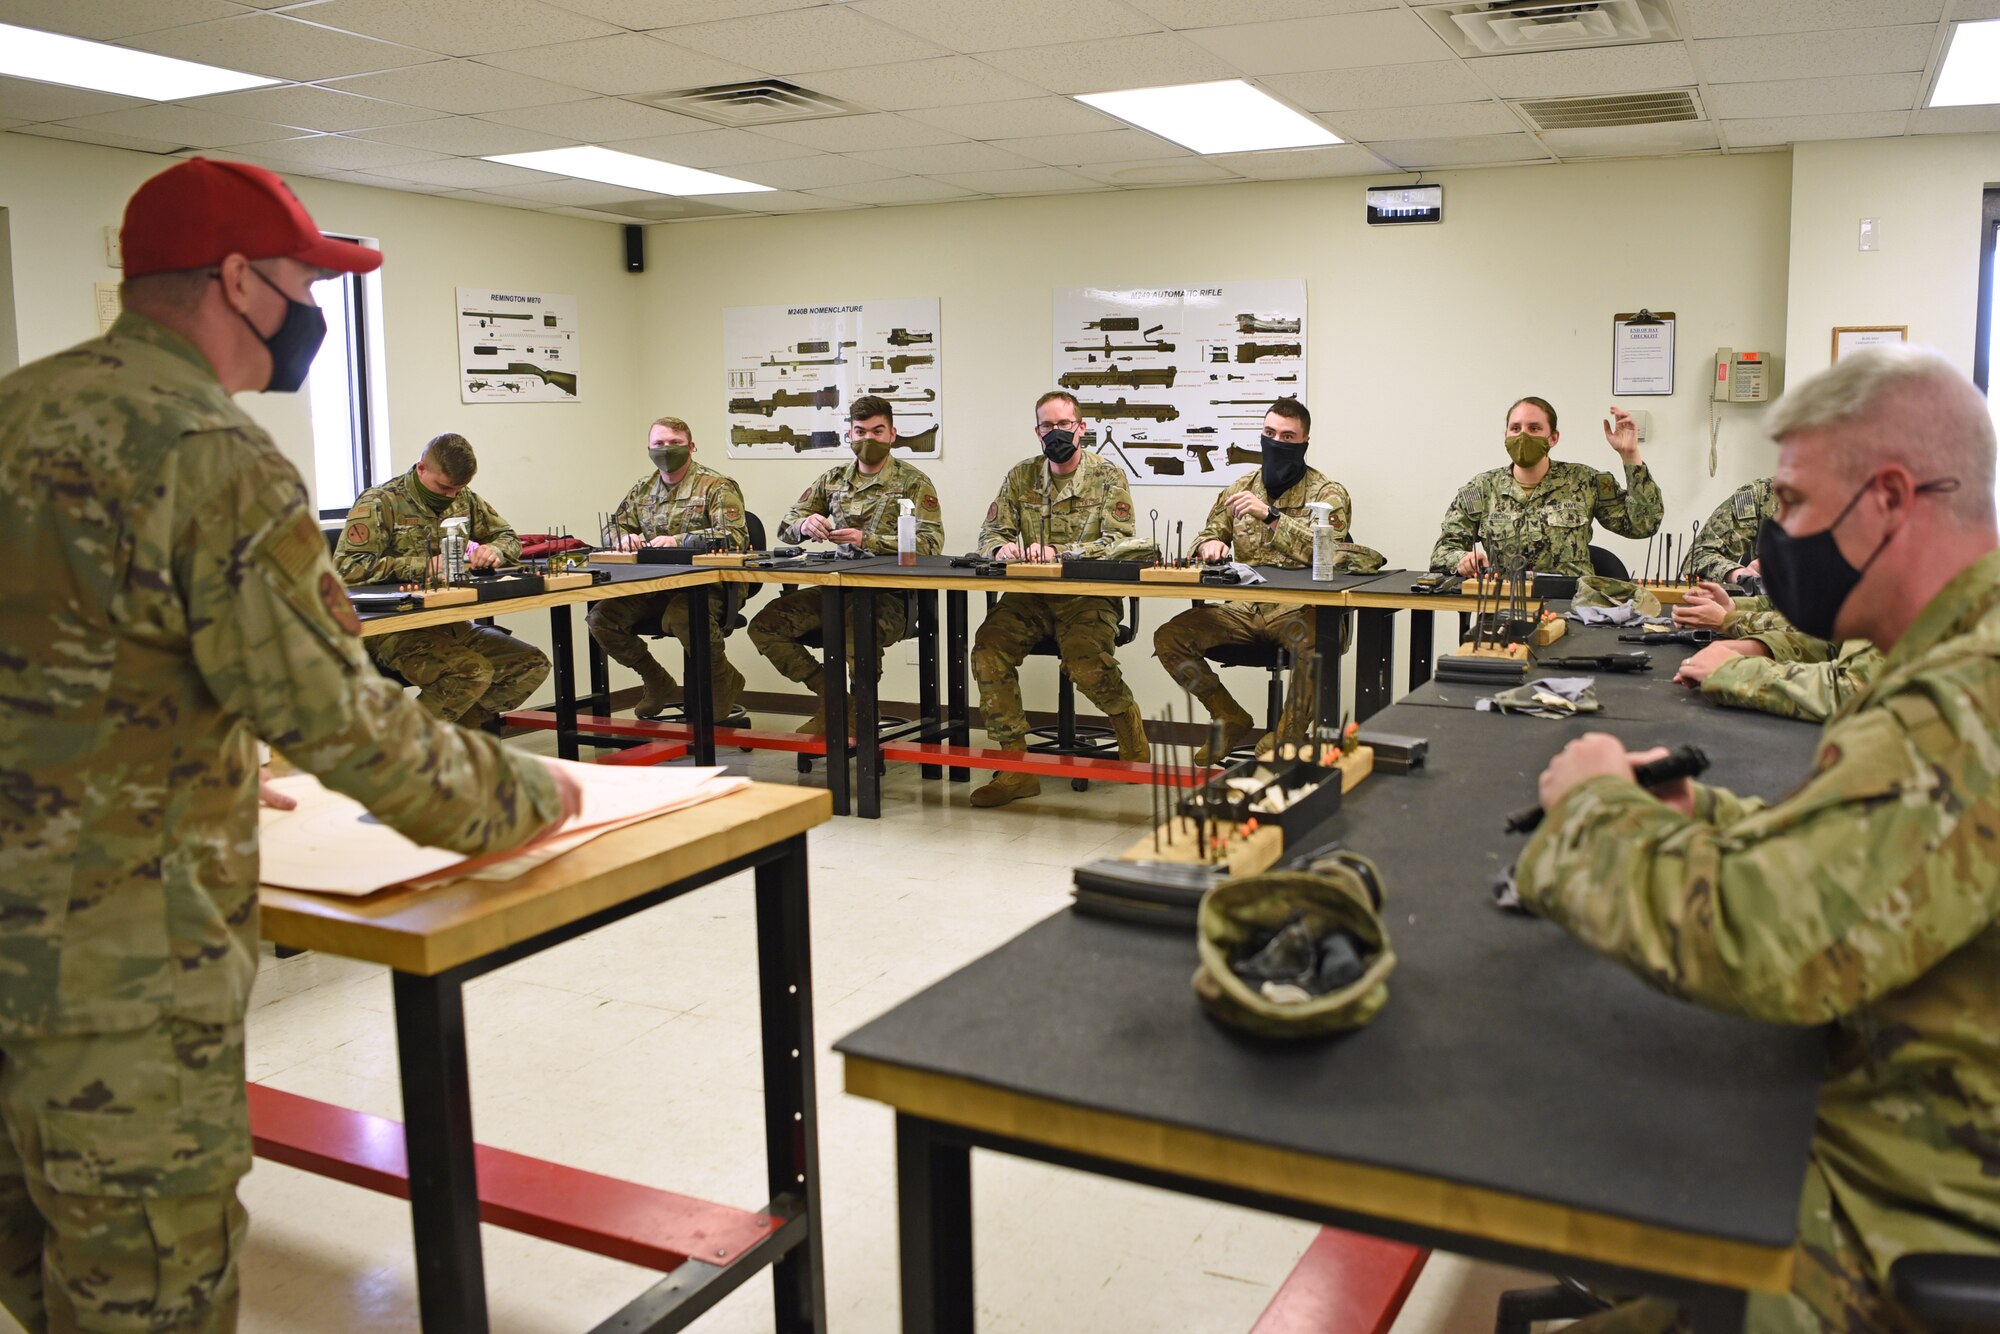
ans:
(1345, 1283)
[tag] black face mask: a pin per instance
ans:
(295, 343)
(1283, 465)
(1806, 578)
(1058, 446)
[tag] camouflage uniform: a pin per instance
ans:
(1183, 642)
(1728, 538)
(1551, 523)
(1804, 678)
(849, 498)
(466, 673)
(703, 504)
(171, 602)
(1085, 511)
(1868, 900)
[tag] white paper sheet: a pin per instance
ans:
(332, 845)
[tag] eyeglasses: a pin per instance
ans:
(1068, 424)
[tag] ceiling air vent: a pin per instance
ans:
(763, 102)
(1510, 27)
(1599, 113)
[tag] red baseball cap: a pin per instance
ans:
(197, 212)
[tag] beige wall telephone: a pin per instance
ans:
(1743, 377)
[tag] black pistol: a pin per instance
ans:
(1683, 762)
(1601, 662)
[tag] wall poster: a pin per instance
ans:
(792, 371)
(1174, 381)
(516, 347)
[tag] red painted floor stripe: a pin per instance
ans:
(741, 738)
(600, 1214)
(1345, 1283)
(653, 752)
(1046, 766)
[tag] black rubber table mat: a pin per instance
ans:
(1509, 1056)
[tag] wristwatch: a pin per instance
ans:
(1271, 516)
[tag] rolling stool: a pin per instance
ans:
(1065, 737)
(888, 726)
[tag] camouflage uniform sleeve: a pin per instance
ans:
(1790, 645)
(1115, 522)
(490, 530)
(811, 501)
(1714, 553)
(725, 515)
(1631, 511)
(625, 518)
(1003, 519)
(1745, 624)
(362, 556)
(1459, 530)
(1803, 912)
(930, 518)
(1221, 525)
(1809, 691)
(1292, 534)
(275, 641)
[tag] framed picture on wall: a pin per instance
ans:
(1852, 338)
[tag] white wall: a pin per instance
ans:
(1927, 191)
(1419, 338)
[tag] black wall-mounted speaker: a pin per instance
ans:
(635, 249)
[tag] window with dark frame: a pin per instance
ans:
(340, 390)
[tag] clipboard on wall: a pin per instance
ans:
(1642, 353)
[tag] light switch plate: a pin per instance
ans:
(1871, 234)
(114, 253)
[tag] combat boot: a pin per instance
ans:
(1007, 787)
(661, 690)
(815, 725)
(1237, 726)
(728, 686)
(1130, 727)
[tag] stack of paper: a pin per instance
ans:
(332, 845)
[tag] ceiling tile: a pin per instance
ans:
(458, 27)
(829, 37)
(1298, 163)
(714, 148)
(814, 173)
(1187, 170)
(465, 174)
(106, 20)
(1029, 181)
(1017, 120)
(462, 87)
(946, 82)
(1610, 69)
(1333, 41)
(902, 190)
(1690, 136)
(376, 182)
(312, 108)
(1972, 10)
(185, 125)
(103, 137)
(626, 63)
(1457, 120)
(1763, 132)
(946, 157)
(1113, 63)
(463, 136)
(654, 208)
(1801, 55)
(483, 197)
(779, 201)
(6, 124)
(1418, 84)
(981, 25)
(1813, 97)
(25, 99)
(341, 153)
(280, 47)
(858, 134)
(1733, 18)
(1219, 13)
(584, 194)
(1957, 120)
(1069, 150)
(642, 14)
(1482, 151)
(601, 120)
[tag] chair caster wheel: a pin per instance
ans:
(1079, 785)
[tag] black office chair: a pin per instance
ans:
(1953, 1294)
(1275, 660)
(734, 598)
(1607, 563)
(1065, 736)
(1565, 1299)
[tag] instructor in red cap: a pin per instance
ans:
(168, 602)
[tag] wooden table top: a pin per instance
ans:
(428, 931)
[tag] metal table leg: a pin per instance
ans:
(1423, 635)
(791, 1119)
(867, 708)
(1375, 667)
(563, 650)
(1326, 647)
(437, 1133)
(934, 1227)
(599, 698)
(833, 644)
(700, 688)
(927, 675)
(957, 717)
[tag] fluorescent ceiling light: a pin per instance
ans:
(592, 163)
(1225, 117)
(47, 57)
(1971, 73)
